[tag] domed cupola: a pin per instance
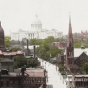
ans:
(36, 25)
(1, 38)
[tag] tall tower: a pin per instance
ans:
(70, 45)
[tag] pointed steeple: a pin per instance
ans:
(69, 18)
(70, 45)
(69, 62)
(70, 36)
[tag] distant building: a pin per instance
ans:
(77, 36)
(60, 45)
(84, 35)
(36, 31)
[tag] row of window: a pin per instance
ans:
(32, 86)
(33, 81)
(36, 25)
(30, 78)
(9, 83)
(82, 83)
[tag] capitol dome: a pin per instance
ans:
(36, 25)
(36, 20)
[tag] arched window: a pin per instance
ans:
(70, 44)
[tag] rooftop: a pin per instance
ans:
(78, 51)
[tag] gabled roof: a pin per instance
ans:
(20, 52)
(78, 51)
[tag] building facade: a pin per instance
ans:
(32, 78)
(36, 31)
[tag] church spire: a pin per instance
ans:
(70, 36)
(69, 18)
(70, 45)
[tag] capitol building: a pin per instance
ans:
(35, 32)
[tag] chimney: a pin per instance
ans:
(23, 69)
(34, 51)
(27, 48)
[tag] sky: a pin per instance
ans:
(54, 14)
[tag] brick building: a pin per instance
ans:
(32, 78)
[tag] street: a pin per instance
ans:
(53, 75)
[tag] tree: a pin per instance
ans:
(20, 61)
(84, 66)
(47, 51)
(77, 44)
(59, 39)
(7, 41)
(32, 62)
(35, 42)
(1, 59)
(15, 49)
(48, 40)
(61, 68)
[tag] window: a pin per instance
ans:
(7, 83)
(1, 83)
(13, 83)
(19, 82)
(70, 44)
(87, 83)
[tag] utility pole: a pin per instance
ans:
(27, 48)
(34, 51)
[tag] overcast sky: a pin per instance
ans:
(18, 14)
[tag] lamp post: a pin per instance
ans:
(46, 78)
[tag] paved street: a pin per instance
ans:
(53, 75)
